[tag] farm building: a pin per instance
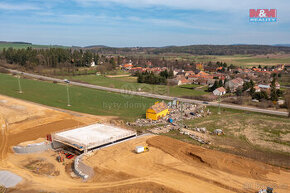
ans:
(157, 111)
(90, 137)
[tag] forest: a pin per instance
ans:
(196, 50)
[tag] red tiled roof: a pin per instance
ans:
(221, 89)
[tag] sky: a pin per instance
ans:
(130, 23)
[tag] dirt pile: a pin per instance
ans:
(41, 167)
(106, 175)
(201, 157)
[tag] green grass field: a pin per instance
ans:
(243, 60)
(238, 60)
(20, 46)
(84, 100)
(129, 83)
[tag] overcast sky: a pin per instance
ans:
(124, 23)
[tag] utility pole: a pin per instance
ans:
(181, 114)
(19, 85)
(219, 112)
(67, 91)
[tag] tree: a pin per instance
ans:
(170, 74)
(252, 83)
(264, 95)
(274, 96)
(239, 92)
(164, 74)
(220, 84)
(112, 61)
(214, 86)
(287, 101)
(252, 91)
(274, 75)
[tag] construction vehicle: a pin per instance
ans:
(268, 190)
(141, 149)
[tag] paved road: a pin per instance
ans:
(145, 94)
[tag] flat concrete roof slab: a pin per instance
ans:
(92, 135)
(9, 179)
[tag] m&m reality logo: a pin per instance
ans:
(263, 15)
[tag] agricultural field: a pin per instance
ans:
(21, 46)
(91, 101)
(249, 61)
(130, 83)
(284, 80)
(238, 60)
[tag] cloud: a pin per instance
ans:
(171, 23)
(17, 7)
(209, 5)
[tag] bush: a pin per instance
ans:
(3, 70)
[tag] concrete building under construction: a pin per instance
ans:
(90, 137)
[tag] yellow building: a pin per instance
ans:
(157, 111)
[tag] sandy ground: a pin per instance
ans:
(185, 167)
(25, 121)
(169, 166)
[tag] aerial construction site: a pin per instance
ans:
(46, 149)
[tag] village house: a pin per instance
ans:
(181, 80)
(219, 91)
(184, 81)
(187, 73)
(257, 88)
(234, 84)
(136, 69)
(201, 81)
(127, 66)
(264, 86)
(210, 68)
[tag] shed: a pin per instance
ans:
(157, 111)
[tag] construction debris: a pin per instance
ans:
(194, 137)
(177, 113)
(218, 132)
(201, 130)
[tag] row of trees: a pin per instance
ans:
(151, 78)
(53, 57)
(221, 49)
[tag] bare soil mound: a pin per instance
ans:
(41, 167)
(106, 175)
(146, 187)
(199, 156)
